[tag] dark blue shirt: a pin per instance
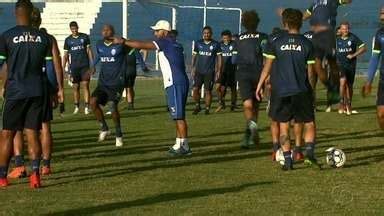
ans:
(249, 49)
(291, 53)
(77, 50)
(345, 47)
(112, 58)
(324, 12)
(378, 48)
(171, 59)
(206, 54)
(25, 51)
(227, 53)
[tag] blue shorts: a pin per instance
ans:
(177, 99)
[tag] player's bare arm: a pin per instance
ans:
(265, 73)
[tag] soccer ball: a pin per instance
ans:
(335, 157)
(280, 156)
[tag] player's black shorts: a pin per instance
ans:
(206, 79)
(80, 75)
(228, 78)
(130, 81)
(349, 75)
(248, 77)
(324, 44)
(23, 114)
(380, 94)
(298, 107)
(104, 94)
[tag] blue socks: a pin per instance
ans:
(47, 162)
(19, 160)
(288, 159)
(35, 165)
(310, 150)
(276, 146)
(3, 171)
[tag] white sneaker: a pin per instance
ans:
(329, 109)
(348, 112)
(76, 110)
(355, 112)
(108, 113)
(119, 141)
(86, 111)
(103, 135)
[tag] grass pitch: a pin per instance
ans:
(91, 178)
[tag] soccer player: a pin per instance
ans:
(377, 52)
(78, 54)
(348, 48)
(26, 50)
(227, 79)
(171, 56)
(110, 83)
(322, 18)
(206, 68)
(249, 59)
(49, 93)
(292, 54)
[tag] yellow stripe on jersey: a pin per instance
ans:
(309, 12)
(269, 56)
(376, 51)
(48, 58)
(311, 62)
(361, 45)
(234, 52)
(3, 57)
(219, 53)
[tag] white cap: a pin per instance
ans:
(162, 25)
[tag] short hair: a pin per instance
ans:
(293, 18)
(25, 4)
(207, 28)
(110, 27)
(226, 33)
(73, 24)
(250, 20)
(345, 23)
(36, 17)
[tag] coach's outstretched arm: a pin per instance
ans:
(135, 43)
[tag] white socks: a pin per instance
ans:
(181, 142)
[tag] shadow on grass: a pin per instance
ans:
(123, 169)
(160, 198)
(215, 152)
(360, 135)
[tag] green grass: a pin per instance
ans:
(93, 178)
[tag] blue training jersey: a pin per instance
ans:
(378, 49)
(324, 12)
(171, 59)
(346, 46)
(112, 58)
(25, 50)
(76, 46)
(206, 54)
(227, 53)
(291, 53)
